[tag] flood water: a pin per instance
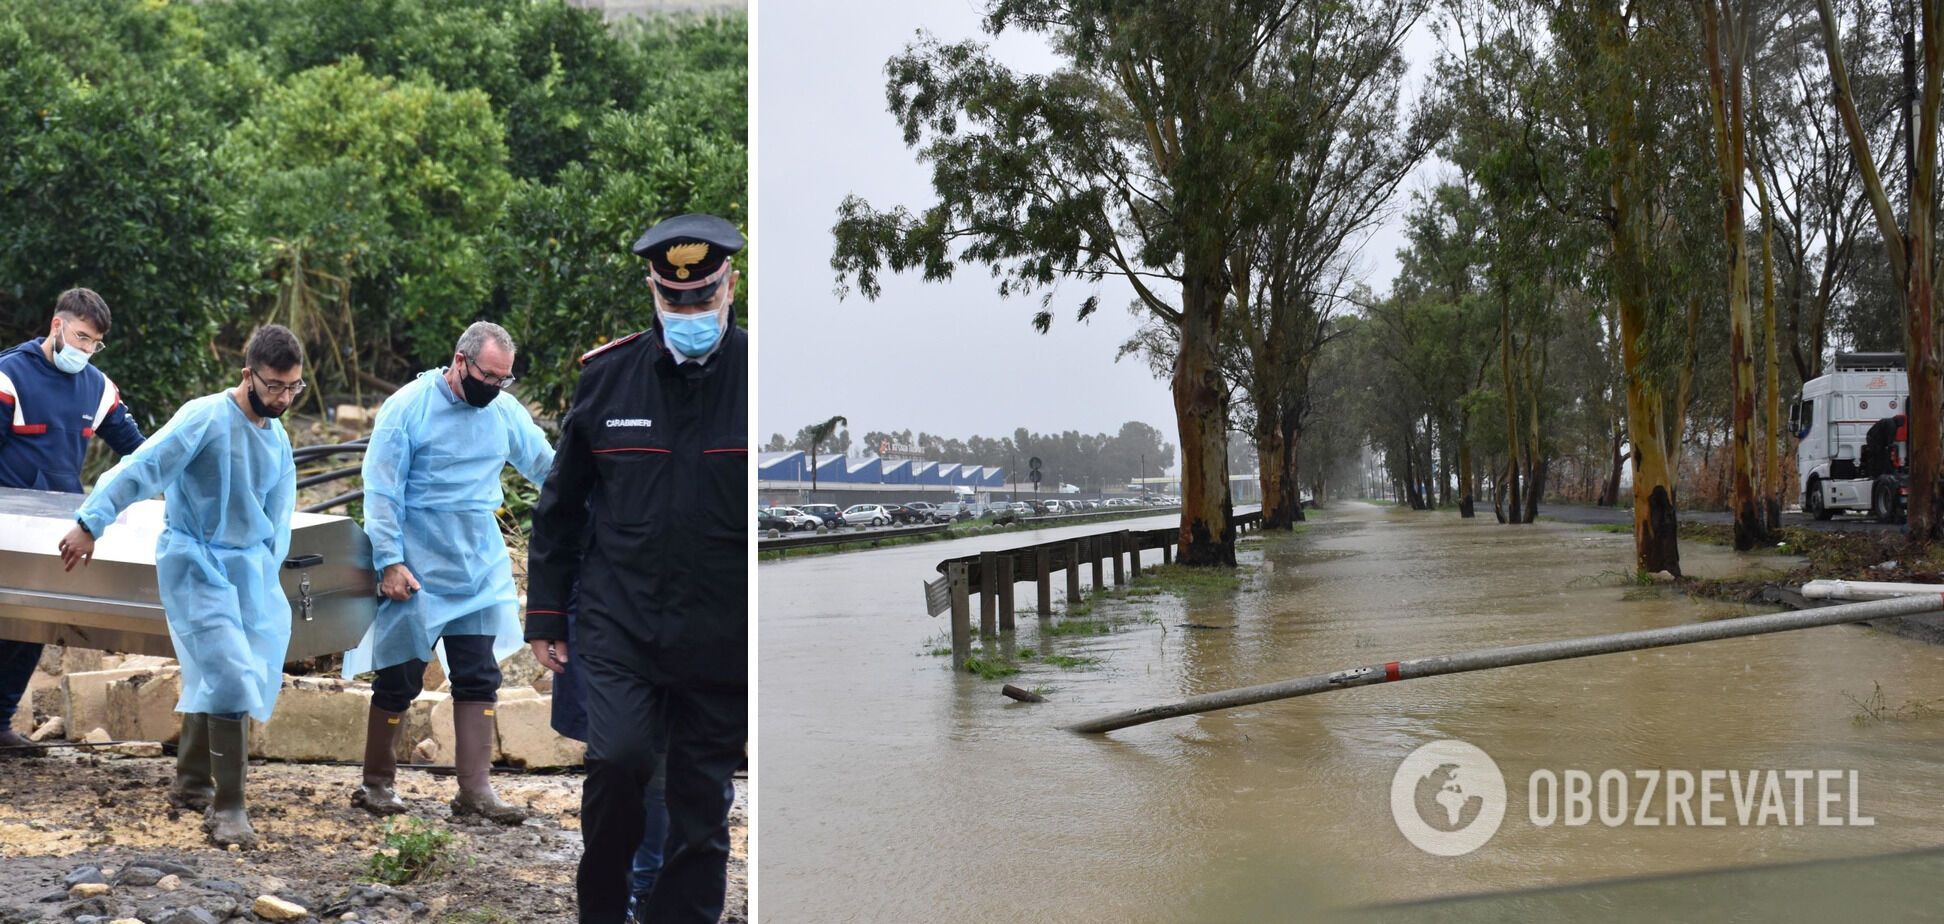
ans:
(893, 789)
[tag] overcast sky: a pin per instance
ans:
(949, 358)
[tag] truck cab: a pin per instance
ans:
(1839, 466)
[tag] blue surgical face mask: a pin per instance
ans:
(692, 334)
(67, 358)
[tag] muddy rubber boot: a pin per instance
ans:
(378, 795)
(472, 732)
(193, 786)
(228, 820)
(15, 744)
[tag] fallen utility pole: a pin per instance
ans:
(1489, 658)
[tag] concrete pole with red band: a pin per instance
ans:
(1537, 653)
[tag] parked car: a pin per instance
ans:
(1025, 508)
(952, 511)
(906, 514)
(796, 518)
(766, 521)
(867, 515)
(1002, 514)
(828, 513)
(929, 512)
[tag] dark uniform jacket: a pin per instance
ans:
(657, 456)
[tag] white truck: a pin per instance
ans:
(1848, 456)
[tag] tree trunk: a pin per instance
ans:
(1201, 416)
(1535, 488)
(1909, 255)
(1292, 441)
(1271, 470)
(1725, 104)
(1610, 495)
(1656, 529)
(1772, 439)
(1511, 404)
(1466, 502)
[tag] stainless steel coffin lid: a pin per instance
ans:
(113, 604)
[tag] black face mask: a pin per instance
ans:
(262, 410)
(478, 393)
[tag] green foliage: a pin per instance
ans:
(376, 172)
(409, 849)
(567, 278)
(108, 180)
(369, 203)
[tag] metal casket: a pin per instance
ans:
(113, 603)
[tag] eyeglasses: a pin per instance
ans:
(505, 381)
(86, 342)
(274, 388)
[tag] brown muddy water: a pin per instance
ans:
(892, 789)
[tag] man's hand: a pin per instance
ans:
(551, 653)
(77, 548)
(398, 583)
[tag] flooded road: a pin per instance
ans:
(892, 789)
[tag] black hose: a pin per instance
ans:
(337, 501)
(328, 476)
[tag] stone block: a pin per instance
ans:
(81, 660)
(43, 692)
(86, 695)
(520, 669)
(352, 415)
(527, 738)
(141, 707)
(417, 726)
(314, 720)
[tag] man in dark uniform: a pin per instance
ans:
(647, 508)
(55, 401)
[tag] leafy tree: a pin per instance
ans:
(370, 203)
(1139, 159)
(108, 180)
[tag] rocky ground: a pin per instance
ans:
(74, 824)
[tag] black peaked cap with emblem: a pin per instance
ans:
(688, 256)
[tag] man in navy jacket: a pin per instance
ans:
(54, 401)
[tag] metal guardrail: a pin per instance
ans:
(992, 575)
(786, 543)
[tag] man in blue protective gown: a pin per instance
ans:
(58, 401)
(224, 467)
(432, 489)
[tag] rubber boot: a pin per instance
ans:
(228, 820)
(15, 744)
(193, 786)
(472, 732)
(379, 795)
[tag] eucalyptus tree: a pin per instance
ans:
(1144, 157)
(1910, 249)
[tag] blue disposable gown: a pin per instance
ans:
(228, 487)
(432, 487)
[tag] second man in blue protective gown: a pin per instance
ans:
(432, 492)
(224, 467)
